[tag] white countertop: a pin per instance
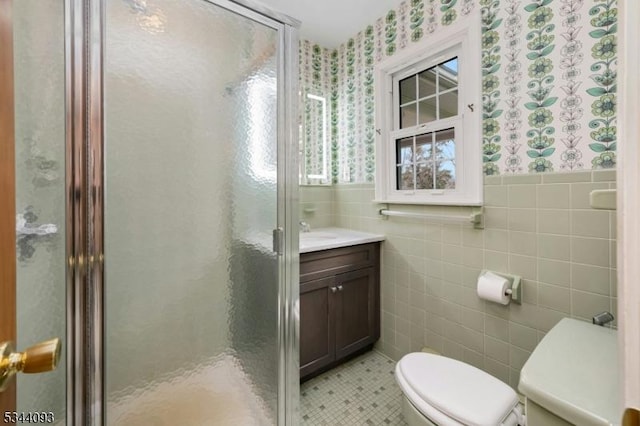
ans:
(329, 238)
(573, 373)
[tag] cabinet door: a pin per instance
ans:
(317, 324)
(355, 311)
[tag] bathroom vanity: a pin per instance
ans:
(339, 297)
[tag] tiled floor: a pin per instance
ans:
(361, 392)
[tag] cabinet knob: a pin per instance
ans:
(333, 289)
(340, 288)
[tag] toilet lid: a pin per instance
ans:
(461, 391)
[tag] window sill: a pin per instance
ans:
(452, 203)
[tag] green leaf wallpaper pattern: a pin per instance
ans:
(369, 112)
(491, 63)
(540, 43)
(604, 20)
(334, 116)
(571, 105)
(449, 14)
(417, 19)
(512, 81)
(548, 85)
(350, 90)
(390, 33)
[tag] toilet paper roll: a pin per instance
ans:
(494, 288)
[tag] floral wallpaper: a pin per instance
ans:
(549, 82)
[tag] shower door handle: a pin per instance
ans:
(39, 358)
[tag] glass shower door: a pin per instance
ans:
(40, 188)
(191, 199)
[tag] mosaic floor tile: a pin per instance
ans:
(362, 391)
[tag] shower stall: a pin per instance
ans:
(155, 200)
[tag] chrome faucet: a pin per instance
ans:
(304, 227)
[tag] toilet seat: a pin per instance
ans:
(453, 393)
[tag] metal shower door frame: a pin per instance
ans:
(84, 100)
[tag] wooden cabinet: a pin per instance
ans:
(339, 305)
(355, 308)
(317, 325)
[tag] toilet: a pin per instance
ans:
(442, 391)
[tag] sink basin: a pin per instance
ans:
(328, 238)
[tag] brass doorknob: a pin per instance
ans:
(37, 359)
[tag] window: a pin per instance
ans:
(429, 120)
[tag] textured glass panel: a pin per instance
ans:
(427, 110)
(449, 104)
(408, 116)
(191, 279)
(408, 90)
(40, 194)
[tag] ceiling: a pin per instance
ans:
(331, 22)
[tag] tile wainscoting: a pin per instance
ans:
(539, 226)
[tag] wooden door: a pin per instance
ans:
(317, 324)
(7, 194)
(355, 311)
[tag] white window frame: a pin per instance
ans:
(462, 40)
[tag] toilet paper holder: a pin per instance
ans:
(516, 286)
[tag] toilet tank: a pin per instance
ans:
(572, 377)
